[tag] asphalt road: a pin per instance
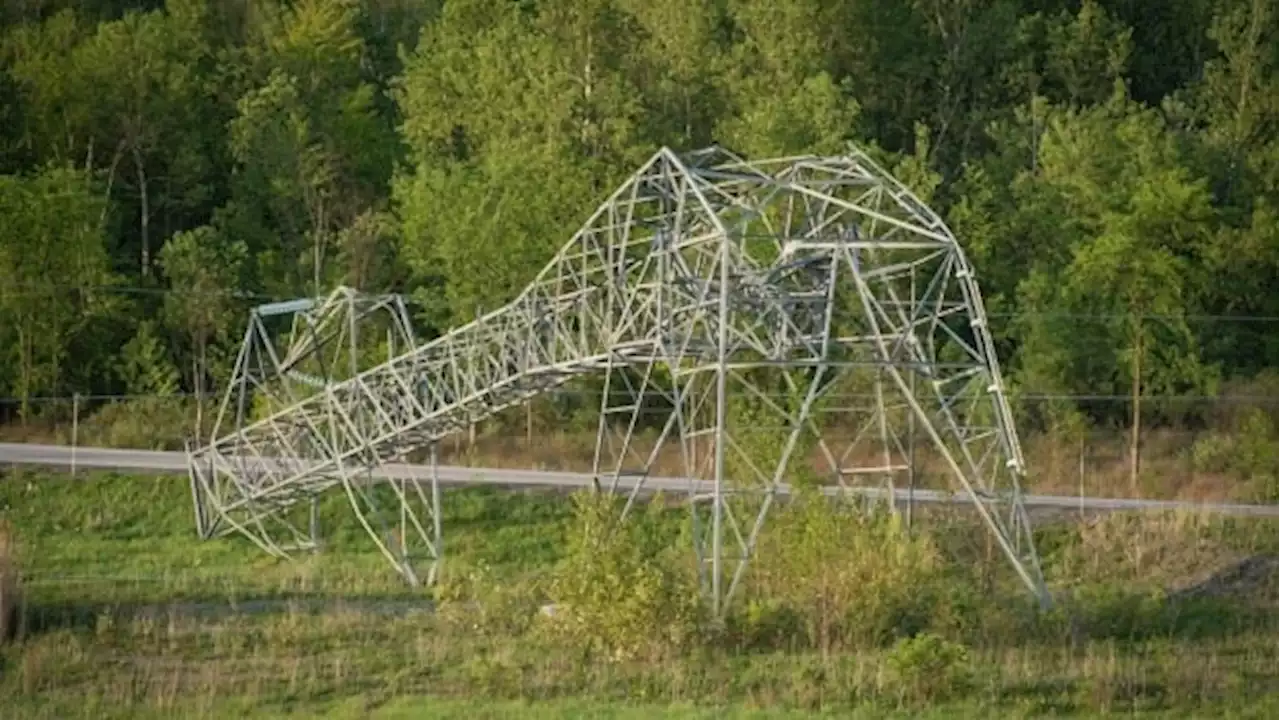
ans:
(176, 462)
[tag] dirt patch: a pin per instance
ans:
(1254, 578)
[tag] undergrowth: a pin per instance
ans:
(842, 577)
(619, 593)
(546, 600)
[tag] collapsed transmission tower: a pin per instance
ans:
(797, 317)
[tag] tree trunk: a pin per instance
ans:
(200, 361)
(26, 365)
(586, 98)
(111, 179)
(146, 212)
(315, 263)
(1135, 401)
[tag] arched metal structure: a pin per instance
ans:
(756, 298)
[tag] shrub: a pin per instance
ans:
(767, 623)
(1246, 453)
(927, 668)
(853, 577)
(1119, 611)
(616, 594)
(151, 423)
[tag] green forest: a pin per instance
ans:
(1109, 166)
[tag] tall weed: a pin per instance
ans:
(9, 587)
(474, 599)
(847, 577)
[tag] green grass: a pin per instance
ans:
(425, 708)
(108, 538)
(128, 614)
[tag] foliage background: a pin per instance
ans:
(1109, 165)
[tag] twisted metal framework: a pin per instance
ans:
(236, 481)
(748, 297)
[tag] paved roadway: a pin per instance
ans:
(176, 462)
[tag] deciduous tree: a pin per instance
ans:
(53, 260)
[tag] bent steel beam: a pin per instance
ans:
(750, 298)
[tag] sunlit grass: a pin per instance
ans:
(128, 614)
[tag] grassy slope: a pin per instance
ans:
(127, 615)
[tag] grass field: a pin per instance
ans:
(126, 613)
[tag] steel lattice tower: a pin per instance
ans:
(751, 300)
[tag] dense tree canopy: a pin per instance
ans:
(1111, 165)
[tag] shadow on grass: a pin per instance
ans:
(43, 618)
(1119, 615)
